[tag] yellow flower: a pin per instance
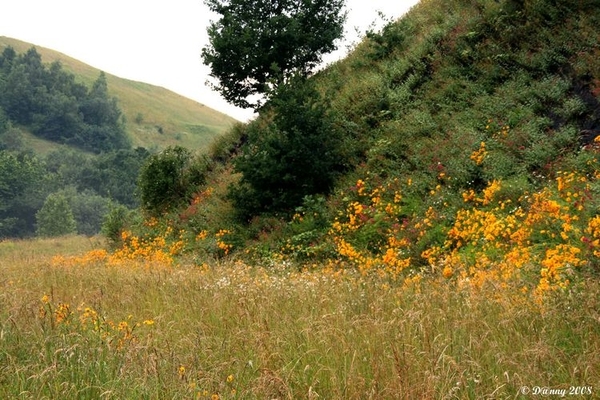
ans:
(478, 155)
(230, 378)
(488, 193)
(62, 313)
(447, 272)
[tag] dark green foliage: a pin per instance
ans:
(169, 178)
(21, 186)
(101, 116)
(111, 175)
(4, 122)
(257, 45)
(89, 210)
(7, 59)
(55, 107)
(11, 138)
(55, 218)
(289, 157)
(88, 182)
(115, 222)
(119, 173)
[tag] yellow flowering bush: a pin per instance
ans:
(498, 239)
(368, 235)
(539, 240)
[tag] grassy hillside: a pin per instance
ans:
(443, 103)
(469, 134)
(166, 118)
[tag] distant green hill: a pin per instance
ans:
(156, 117)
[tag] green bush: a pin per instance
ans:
(115, 222)
(55, 218)
(169, 178)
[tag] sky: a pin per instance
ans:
(157, 42)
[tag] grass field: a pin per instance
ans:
(73, 326)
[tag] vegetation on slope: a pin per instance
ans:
(53, 106)
(459, 107)
(156, 117)
(62, 132)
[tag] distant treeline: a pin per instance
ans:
(53, 106)
(89, 184)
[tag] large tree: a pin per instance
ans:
(258, 44)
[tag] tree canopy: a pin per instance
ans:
(296, 153)
(258, 44)
(55, 218)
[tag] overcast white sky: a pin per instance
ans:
(157, 42)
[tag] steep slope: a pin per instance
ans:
(461, 117)
(156, 117)
(452, 74)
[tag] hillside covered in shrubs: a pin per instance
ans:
(85, 164)
(461, 139)
(56, 107)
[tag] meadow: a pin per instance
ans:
(79, 322)
(457, 256)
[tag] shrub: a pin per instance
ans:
(55, 218)
(169, 178)
(114, 223)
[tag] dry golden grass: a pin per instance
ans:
(229, 330)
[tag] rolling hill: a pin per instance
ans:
(156, 117)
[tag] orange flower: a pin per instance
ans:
(447, 272)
